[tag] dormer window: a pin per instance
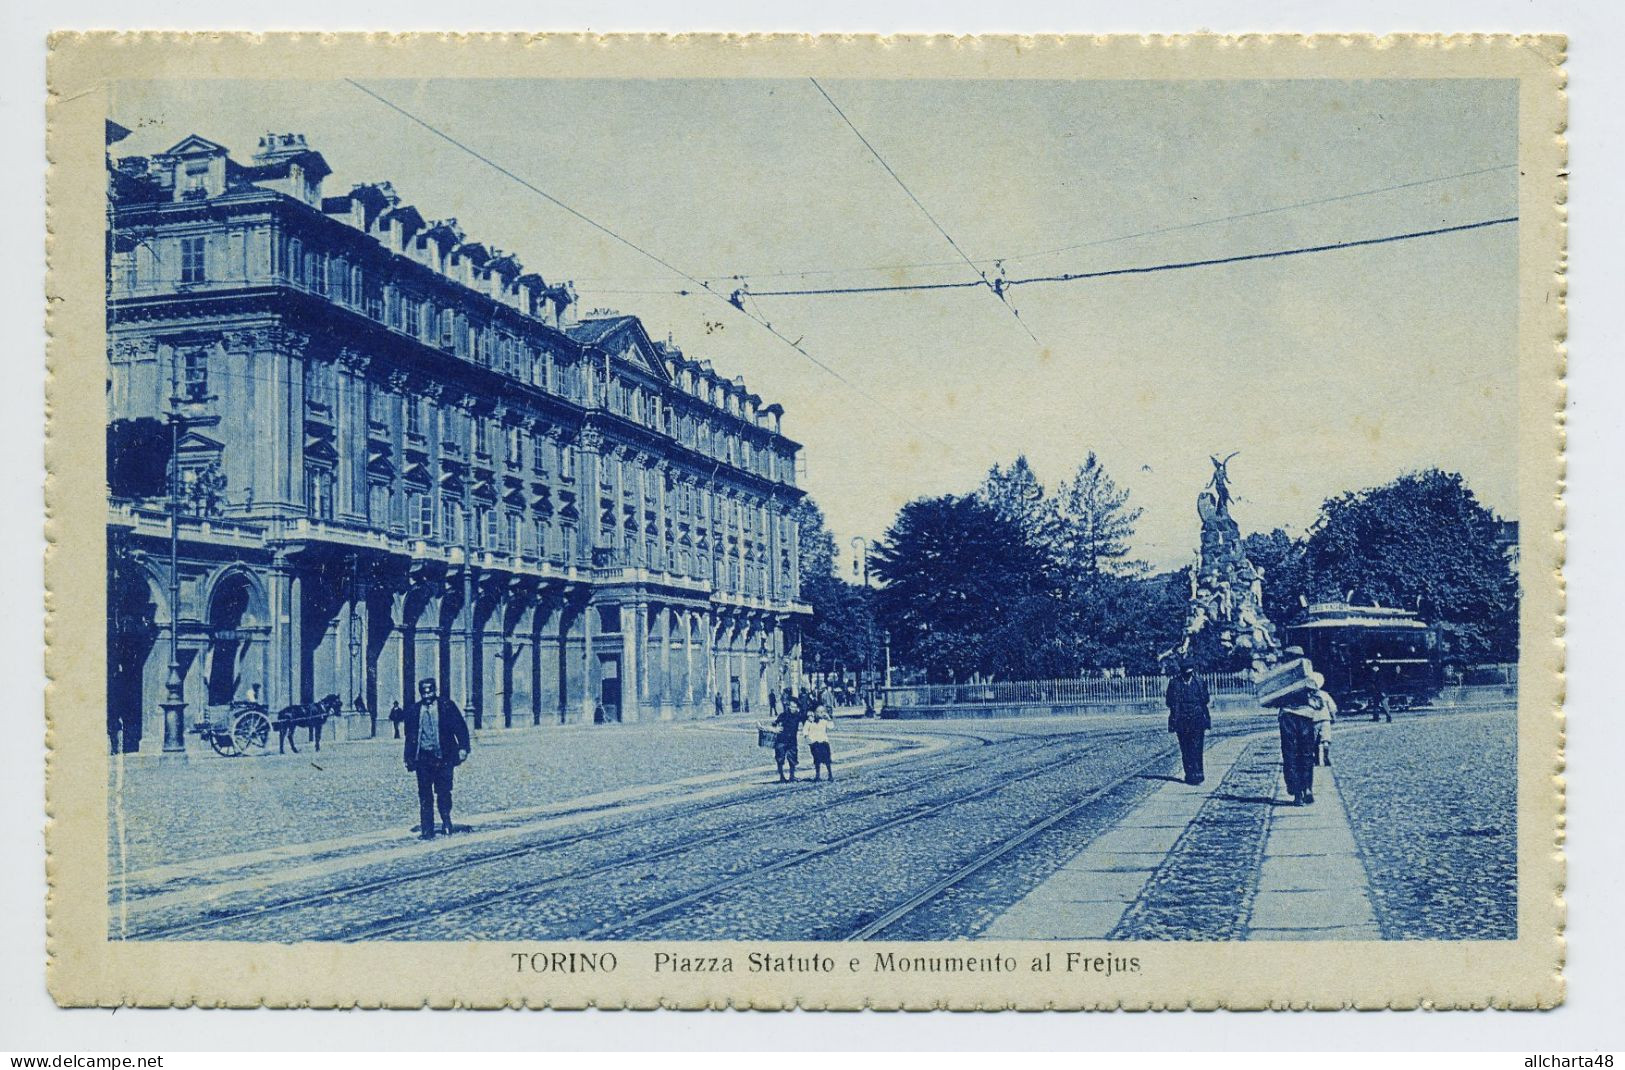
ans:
(194, 181)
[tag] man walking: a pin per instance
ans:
(1301, 722)
(1188, 718)
(436, 744)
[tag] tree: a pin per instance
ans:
(842, 633)
(966, 593)
(1016, 495)
(1096, 524)
(1422, 542)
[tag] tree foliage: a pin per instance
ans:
(966, 593)
(1425, 543)
(1095, 524)
(842, 634)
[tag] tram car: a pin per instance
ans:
(1370, 655)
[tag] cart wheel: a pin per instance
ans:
(251, 729)
(223, 744)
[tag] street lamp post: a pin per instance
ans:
(174, 704)
(860, 568)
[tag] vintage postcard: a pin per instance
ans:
(829, 522)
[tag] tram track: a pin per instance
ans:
(642, 858)
(1161, 754)
(462, 864)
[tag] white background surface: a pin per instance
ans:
(1590, 1021)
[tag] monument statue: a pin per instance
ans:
(1227, 590)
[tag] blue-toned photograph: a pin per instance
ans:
(806, 509)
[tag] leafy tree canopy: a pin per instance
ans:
(965, 592)
(1422, 542)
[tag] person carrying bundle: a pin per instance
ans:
(1304, 713)
(1304, 723)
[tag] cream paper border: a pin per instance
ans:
(85, 968)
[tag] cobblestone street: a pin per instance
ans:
(1011, 828)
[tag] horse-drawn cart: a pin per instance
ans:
(246, 726)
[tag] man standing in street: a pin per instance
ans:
(1188, 718)
(786, 745)
(436, 744)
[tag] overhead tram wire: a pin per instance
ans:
(702, 286)
(1178, 265)
(997, 290)
(1148, 233)
(738, 276)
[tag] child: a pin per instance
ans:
(818, 742)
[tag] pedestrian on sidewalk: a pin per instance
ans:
(818, 742)
(1188, 718)
(788, 723)
(397, 717)
(718, 711)
(436, 744)
(1300, 735)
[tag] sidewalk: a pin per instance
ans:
(1310, 883)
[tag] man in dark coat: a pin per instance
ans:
(436, 744)
(786, 745)
(1188, 718)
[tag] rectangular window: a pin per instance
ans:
(421, 507)
(319, 493)
(479, 436)
(195, 180)
(448, 327)
(452, 528)
(124, 275)
(477, 534)
(414, 417)
(515, 533)
(516, 447)
(195, 375)
(377, 408)
(192, 259)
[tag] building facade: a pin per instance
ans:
(400, 456)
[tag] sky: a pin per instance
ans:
(1328, 372)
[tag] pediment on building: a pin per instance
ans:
(194, 443)
(321, 449)
(193, 145)
(625, 340)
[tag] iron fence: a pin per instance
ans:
(1087, 691)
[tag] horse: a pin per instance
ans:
(312, 716)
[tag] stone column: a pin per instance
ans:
(350, 431)
(588, 443)
(281, 684)
(667, 712)
(632, 643)
(393, 685)
(296, 632)
(588, 658)
(459, 683)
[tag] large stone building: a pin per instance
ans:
(402, 456)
